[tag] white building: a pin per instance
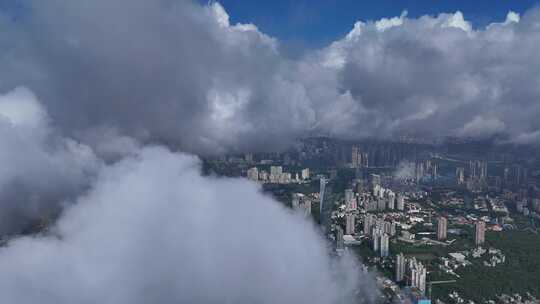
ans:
(417, 275)
(305, 174)
(253, 174)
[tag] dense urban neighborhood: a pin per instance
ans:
(436, 226)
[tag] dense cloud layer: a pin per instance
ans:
(39, 169)
(149, 233)
(143, 226)
(167, 71)
(437, 76)
(179, 73)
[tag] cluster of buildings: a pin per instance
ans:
(529, 207)
(379, 231)
(411, 271)
(383, 213)
(442, 196)
(359, 159)
(277, 175)
(426, 168)
(491, 258)
(442, 228)
(380, 199)
(479, 230)
(475, 177)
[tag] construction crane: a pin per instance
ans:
(430, 284)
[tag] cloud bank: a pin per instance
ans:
(148, 233)
(437, 76)
(172, 72)
(180, 73)
(39, 168)
(141, 225)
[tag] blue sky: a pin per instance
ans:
(315, 23)
(301, 24)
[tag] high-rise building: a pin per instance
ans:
(400, 267)
(305, 173)
(253, 174)
(419, 171)
(350, 224)
(339, 238)
(460, 175)
(478, 169)
(380, 241)
(400, 202)
(472, 168)
(349, 194)
(417, 275)
(442, 228)
(369, 222)
(325, 206)
(322, 184)
(479, 232)
(355, 161)
(376, 240)
(376, 191)
(483, 170)
(381, 204)
(384, 245)
(519, 174)
(364, 160)
(391, 203)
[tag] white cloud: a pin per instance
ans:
(153, 230)
(481, 127)
(220, 14)
(456, 20)
(40, 169)
(425, 77)
(512, 17)
(21, 109)
(386, 23)
(429, 75)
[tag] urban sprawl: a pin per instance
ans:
(444, 223)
